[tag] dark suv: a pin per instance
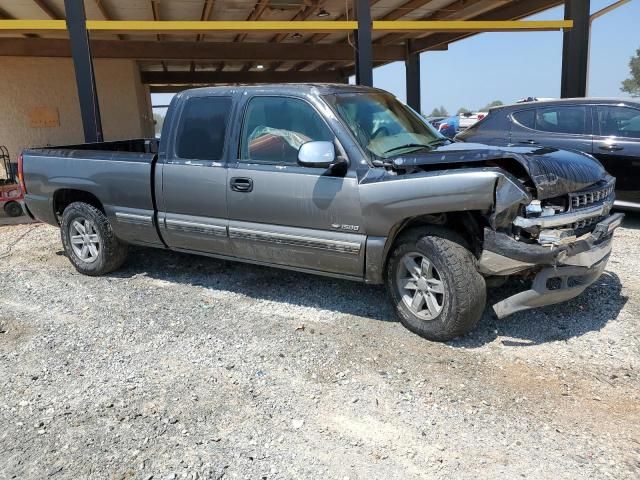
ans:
(608, 129)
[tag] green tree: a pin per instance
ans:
(495, 103)
(439, 112)
(463, 110)
(632, 84)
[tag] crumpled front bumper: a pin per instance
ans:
(563, 272)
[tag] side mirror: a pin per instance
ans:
(318, 155)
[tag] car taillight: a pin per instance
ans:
(480, 116)
(21, 175)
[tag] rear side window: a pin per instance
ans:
(203, 128)
(561, 119)
(526, 118)
(619, 121)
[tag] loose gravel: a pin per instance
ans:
(180, 366)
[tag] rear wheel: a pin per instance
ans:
(13, 209)
(89, 241)
(434, 285)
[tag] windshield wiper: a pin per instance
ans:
(406, 145)
(440, 141)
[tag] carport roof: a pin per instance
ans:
(193, 57)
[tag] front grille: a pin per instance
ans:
(590, 197)
(585, 223)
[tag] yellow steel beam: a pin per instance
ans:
(469, 25)
(168, 27)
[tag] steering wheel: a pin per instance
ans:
(380, 130)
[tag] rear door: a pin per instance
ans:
(559, 126)
(617, 146)
(193, 179)
(286, 214)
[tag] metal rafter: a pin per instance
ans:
(155, 10)
(106, 14)
(191, 50)
(4, 15)
(511, 10)
(255, 14)
(395, 14)
(347, 15)
(453, 11)
(46, 8)
(207, 78)
(205, 16)
(302, 14)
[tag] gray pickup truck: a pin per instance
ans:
(336, 180)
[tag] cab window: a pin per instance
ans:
(276, 127)
(203, 127)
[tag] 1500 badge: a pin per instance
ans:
(351, 228)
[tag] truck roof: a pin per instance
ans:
(312, 88)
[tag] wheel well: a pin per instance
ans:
(66, 196)
(467, 225)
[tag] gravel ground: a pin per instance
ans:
(6, 220)
(188, 367)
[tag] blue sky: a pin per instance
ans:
(509, 66)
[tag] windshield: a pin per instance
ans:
(383, 125)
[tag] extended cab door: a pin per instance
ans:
(283, 213)
(617, 146)
(192, 201)
(559, 126)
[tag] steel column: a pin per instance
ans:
(364, 48)
(412, 79)
(575, 49)
(83, 66)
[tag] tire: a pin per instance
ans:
(451, 269)
(98, 250)
(13, 209)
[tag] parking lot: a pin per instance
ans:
(187, 367)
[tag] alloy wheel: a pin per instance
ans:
(85, 239)
(420, 285)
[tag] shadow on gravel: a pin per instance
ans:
(591, 311)
(261, 283)
(631, 220)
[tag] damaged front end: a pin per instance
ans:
(550, 218)
(563, 242)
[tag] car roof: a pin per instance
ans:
(570, 101)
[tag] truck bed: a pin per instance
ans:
(119, 175)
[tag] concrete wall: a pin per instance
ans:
(49, 83)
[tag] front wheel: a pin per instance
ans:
(434, 285)
(89, 241)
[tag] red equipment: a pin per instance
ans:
(11, 193)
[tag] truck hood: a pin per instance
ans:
(554, 172)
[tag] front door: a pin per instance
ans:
(285, 214)
(617, 146)
(193, 196)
